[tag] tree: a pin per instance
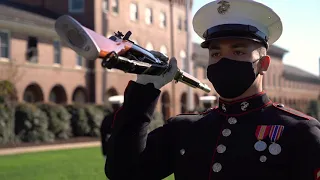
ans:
(10, 74)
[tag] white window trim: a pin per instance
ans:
(148, 17)
(166, 49)
(104, 9)
(149, 43)
(54, 63)
(77, 65)
(7, 59)
(111, 7)
(183, 56)
(135, 18)
(180, 18)
(162, 25)
(73, 10)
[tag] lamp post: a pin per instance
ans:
(173, 89)
(190, 97)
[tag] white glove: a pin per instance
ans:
(159, 81)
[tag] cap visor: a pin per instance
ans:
(207, 42)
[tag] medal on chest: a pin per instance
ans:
(274, 135)
(262, 132)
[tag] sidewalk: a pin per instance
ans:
(20, 150)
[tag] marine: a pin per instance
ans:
(246, 137)
(105, 127)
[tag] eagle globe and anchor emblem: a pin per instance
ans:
(224, 7)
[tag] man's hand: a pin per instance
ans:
(159, 81)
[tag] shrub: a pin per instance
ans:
(95, 116)
(59, 120)
(79, 119)
(106, 108)
(31, 124)
(6, 124)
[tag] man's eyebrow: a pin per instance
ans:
(239, 45)
(214, 46)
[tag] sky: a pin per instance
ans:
(301, 31)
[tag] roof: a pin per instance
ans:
(276, 51)
(200, 57)
(296, 74)
(21, 13)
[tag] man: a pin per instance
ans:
(105, 128)
(246, 137)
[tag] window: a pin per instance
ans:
(32, 50)
(4, 45)
(57, 52)
(183, 59)
(180, 23)
(53, 97)
(29, 96)
(148, 16)
(274, 80)
(76, 6)
(133, 12)
(79, 60)
(163, 50)
(149, 46)
(163, 20)
(115, 6)
(105, 5)
(186, 25)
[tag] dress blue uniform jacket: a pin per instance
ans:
(218, 144)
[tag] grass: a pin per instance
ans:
(79, 164)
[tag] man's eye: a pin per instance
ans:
(215, 54)
(238, 53)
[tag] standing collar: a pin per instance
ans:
(245, 105)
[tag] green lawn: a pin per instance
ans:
(75, 164)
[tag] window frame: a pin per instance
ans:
(71, 10)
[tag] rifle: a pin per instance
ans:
(117, 51)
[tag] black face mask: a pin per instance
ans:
(231, 78)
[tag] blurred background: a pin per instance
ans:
(51, 95)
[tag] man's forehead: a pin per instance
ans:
(231, 43)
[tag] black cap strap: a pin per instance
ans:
(235, 30)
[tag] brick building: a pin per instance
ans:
(49, 71)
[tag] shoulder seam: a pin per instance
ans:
(286, 109)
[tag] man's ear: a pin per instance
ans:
(264, 64)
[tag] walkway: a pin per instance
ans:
(20, 150)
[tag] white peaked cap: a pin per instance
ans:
(244, 12)
(116, 99)
(207, 98)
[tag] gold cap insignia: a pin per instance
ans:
(224, 7)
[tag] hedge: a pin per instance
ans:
(59, 120)
(49, 122)
(6, 124)
(31, 124)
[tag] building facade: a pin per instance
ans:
(44, 69)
